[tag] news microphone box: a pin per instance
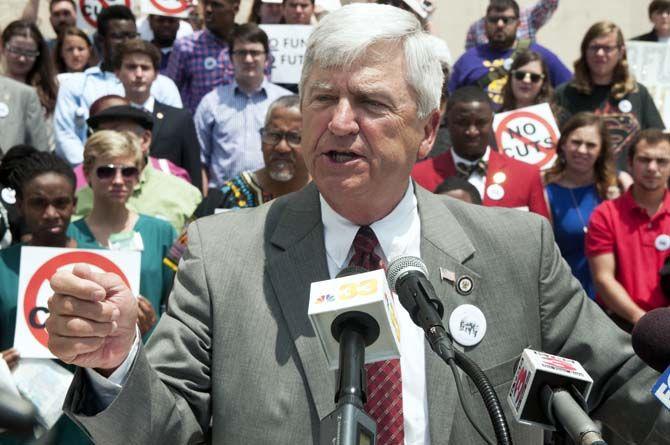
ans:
(535, 370)
(661, 389)
(366, 292)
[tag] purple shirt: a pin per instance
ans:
(475, 63)
(198, 64)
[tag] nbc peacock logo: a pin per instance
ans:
(327, 298)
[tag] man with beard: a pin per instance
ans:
(62, 15)
(229, 118)
(628, 239)
(487, 65)
(500, 180)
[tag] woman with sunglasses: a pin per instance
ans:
(604, 85)
(44, 186)
(112, 162)
(580, 179)
(529, 84)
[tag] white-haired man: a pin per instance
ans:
(235, 359)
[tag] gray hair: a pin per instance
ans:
(290, 101)
(343, 36)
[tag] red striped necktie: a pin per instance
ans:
(384, 384)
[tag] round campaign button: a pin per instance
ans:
(464, 285)
(507, 64)
(499, 177)
(662, 242)
(210, 63)
(8, 195)
(467, 325)
(495, 192)
(160, 115)
(625, 106)
(4, 110)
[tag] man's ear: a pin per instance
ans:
(429, 134)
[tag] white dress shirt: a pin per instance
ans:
(475, 178)
(399, 234)
(147, 106)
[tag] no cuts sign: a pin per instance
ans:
(172, 8)
(88, 10)
(38, 264)
(528, 134)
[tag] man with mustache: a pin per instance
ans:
(628, 239)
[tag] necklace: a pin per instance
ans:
(579, 213)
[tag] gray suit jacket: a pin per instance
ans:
(21, 116)
(236, 346)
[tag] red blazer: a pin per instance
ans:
(522, 186)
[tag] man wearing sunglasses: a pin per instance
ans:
(229, 118)
(487, 65)
(78, 91)
(157, 193)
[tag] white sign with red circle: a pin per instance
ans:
(528, 134)
(88, 10)
(38, 264)
(170, 8)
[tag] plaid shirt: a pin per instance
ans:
(198, 64)
(531, 19)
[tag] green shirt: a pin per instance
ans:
(157, 194)
(157, 238)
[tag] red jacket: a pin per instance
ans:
(522, 186)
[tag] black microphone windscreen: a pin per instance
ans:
(651, 338)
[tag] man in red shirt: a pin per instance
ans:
(628, 238)
(500, 180)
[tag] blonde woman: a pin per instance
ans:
(112, 165)
(603, 84)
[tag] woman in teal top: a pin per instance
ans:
(112, 162)
(44, 186)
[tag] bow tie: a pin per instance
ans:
(466, 170)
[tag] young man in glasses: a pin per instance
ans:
(78, 91)
(487, 65)
(229, 118)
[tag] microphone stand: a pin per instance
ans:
(349, 424)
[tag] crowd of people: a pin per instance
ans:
(122, 138)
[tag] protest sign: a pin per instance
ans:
(528, 134)
(88, 10)
(650, 64)
(38, 264)
(287, 45)
(171, 8)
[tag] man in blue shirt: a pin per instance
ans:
(229, 118)
(487, 65)
(79, 90)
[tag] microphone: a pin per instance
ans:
(651, 342)
(354, 313)
(651, 338)
(550, 392)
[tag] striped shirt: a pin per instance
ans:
(228, 122)
(198, 63)
(531, 19)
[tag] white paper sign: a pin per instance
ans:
(528, 134)
(38, 264)
(88, 10)
(170, 8)
(45, 384)
(287, 45)
(650, 63)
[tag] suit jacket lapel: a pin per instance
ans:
(444, 247)
(291, 268)
(158, 121)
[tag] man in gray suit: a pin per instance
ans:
(235, 358)
(21, 116)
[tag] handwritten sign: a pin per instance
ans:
(287, 45)
(528, 134)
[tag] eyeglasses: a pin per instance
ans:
(273, 137)
(493, 20)
(523, 75)
(124, 35)
(28, 54)
(607, 49)
(243, 53)
(106, 172)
